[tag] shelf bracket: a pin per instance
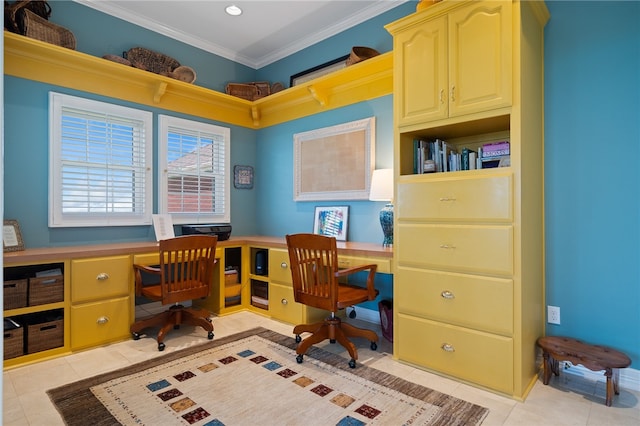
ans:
(318, 95)
(160, 89)
(255, 115)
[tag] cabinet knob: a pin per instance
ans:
(446, 294)
(284, 265)
(447, 347)
(102, 320)
(103, 276)
(284, 301)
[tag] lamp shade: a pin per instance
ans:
(381, 185)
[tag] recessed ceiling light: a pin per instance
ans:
(233, 10)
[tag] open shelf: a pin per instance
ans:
(36, 60)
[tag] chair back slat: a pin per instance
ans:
(187, 267)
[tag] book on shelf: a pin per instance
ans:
(496, 149)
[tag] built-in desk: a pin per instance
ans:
(97, 305)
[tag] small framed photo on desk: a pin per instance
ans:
(331, 221)
(11, 236)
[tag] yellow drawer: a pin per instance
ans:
(486, 198)
(99, 278)
(465, 248)
(384, 265)
(94, 324)
(475, 356)
(282, 306)
(472, 301)
(279, 269)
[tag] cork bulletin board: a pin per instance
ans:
(334, 163)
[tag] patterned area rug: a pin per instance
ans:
(253, 378)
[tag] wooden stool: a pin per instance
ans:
(594, 357)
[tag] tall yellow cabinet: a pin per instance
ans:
(468, 249)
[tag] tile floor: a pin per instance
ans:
(568, 400)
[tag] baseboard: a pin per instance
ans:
(629, 377)
(363, 314)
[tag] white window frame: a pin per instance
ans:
(86, 108)
(167, 123)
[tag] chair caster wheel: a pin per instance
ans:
(299, 359)
(136, 336)
(374, 346)
(210, 335)
(352, 363)
(298, 338)
(161, 347)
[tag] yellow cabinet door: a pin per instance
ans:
(480, 56)
(473, 301)
(99, 278)
(478, 357)
(420, 72)
(97, 323)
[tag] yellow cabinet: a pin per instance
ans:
(282, 305)
(100, 300)
(468, 248)
(452, 59)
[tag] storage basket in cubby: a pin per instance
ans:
(13, 343)
(47, 289)
(44, 332)
(15, 294)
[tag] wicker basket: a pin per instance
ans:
(45, 335)
(249, 91)
(41, 29)
(13, 343)
(15, 294)
(49, 289)
(149, 60)
(361, 53)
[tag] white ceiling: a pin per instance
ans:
(267, 30)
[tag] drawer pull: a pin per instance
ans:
(447, 198)
(284, 265)
(284, 301)
(102, 276)
(102, 320)
(447, 247)
(446, 294)
(448, 348)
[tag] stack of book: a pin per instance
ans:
(496, 154)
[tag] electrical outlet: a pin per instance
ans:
(553, 314)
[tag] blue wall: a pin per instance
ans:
(592, 139)
(592, 183)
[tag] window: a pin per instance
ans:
(193, 167)
(100, 171)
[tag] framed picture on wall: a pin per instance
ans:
(331, 221)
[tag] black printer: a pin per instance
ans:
(221, 230)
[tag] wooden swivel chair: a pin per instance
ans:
(185, 273)
(314, 269)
